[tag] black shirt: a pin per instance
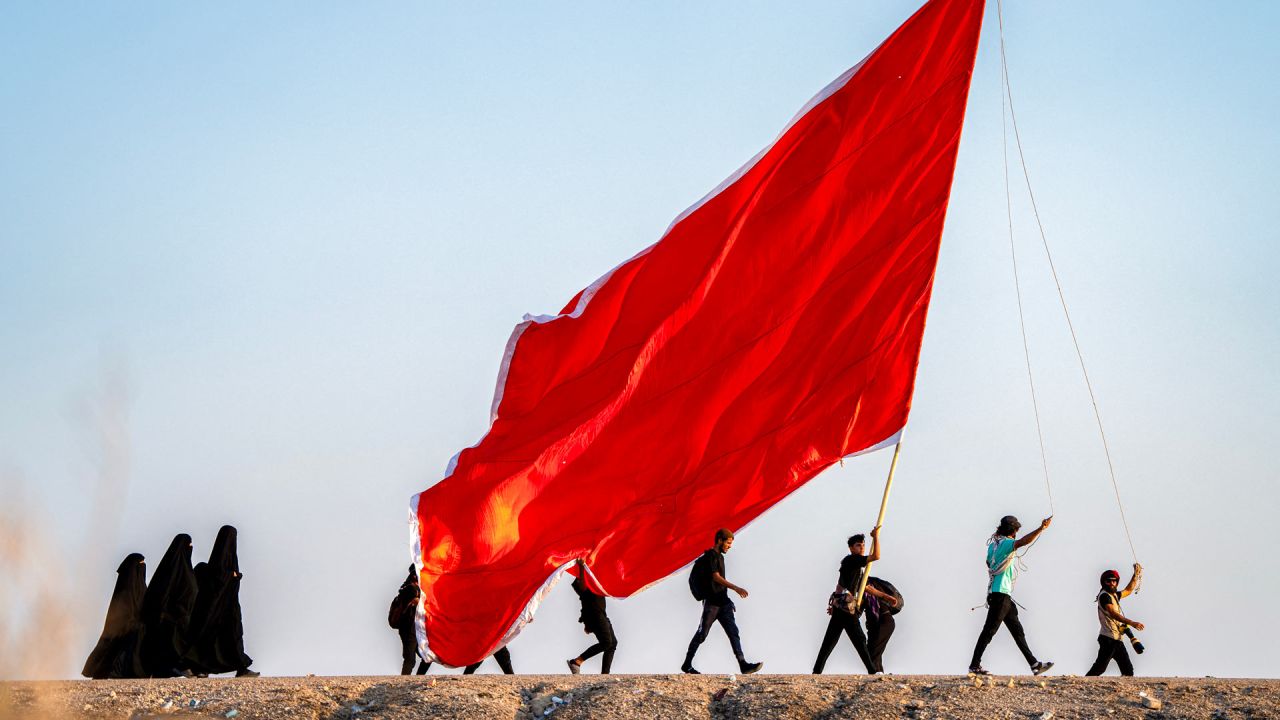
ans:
(719, 594)
(851, 568)
(592, 604)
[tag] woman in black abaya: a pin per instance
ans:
(118, 652)
(217, 631)
(166, 611)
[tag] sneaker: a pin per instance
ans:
(574, 667)
(978, 670)
(1040, 668)
(688, 669)
(749, 668)
(247, 673)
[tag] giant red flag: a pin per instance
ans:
(774, 329)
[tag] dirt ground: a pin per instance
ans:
(565, 697)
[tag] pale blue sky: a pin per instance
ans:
(300, 235)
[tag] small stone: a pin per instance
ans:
(231, 713)
(1012, 683)
(1044, 684)
(1046, 715)
(87, 707)
(113, 694)
(917, 704)
(1152, 703)
(193, 704)
(977, 682)
(557, 699)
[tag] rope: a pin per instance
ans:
(1017, 285)
(1097, 414)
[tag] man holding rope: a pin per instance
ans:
(1001, 557)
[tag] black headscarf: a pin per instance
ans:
(223, 557)
(217, 630)
(118, 652)
(166, 610)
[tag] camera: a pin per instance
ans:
(1133, 640)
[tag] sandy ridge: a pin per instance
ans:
(565, 697)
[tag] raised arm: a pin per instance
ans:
(875, 545)
(1031, 536)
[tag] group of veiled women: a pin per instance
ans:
(185, 622)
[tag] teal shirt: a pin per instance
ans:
(996, 553)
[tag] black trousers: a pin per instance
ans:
(409, 650)
(1001, 609)
(1108, 649)
(606, 643)
(879, 629)
(711, 614)
(503, 656)
(851, 627)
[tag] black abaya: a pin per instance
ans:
(118, 652)
(166, 610)
(216, 630)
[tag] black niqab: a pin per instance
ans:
(166, 610)
(223, 557)
(217, 630)
(118, 652)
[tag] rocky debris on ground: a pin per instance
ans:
(636, 697)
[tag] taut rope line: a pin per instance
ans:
(1017, 285)
(1097, 414)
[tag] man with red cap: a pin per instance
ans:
(1113, 622)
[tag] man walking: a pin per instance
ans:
(1113, 623)
(882, 601)
(401, 617)
(839, 607)
(1001, 556)
(595, 622)
(709, 570)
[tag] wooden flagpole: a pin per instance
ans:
(884, 503)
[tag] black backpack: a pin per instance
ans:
(887, 588)
(402, 608)
(700, 577)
